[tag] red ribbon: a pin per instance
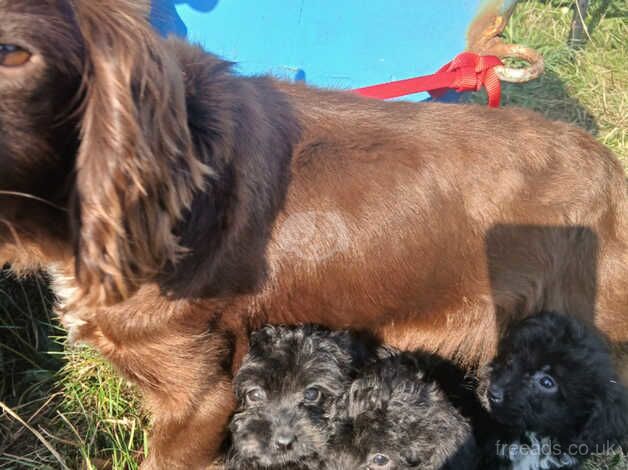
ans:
(467, 72)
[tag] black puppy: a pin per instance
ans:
(554, 395)
(398, 417)
(287, 390)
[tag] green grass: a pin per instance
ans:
(71, 396)
(103, 411)
(587, 87)
(91, 417)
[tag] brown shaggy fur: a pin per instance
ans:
(180, 206)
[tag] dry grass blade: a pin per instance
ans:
(37, 434)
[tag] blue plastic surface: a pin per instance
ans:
(332, 43)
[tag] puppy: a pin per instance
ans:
(399, 418)
(287, 389)
(554, 395)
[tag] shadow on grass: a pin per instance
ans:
(27, 348)
(29, 357)
(548, 96)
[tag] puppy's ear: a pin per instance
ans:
(385, 351)
(608, 423)
(264, 339)
(361, 346)
(413, 392)
(135, 172)
(364, 397)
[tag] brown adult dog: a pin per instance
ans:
(173, 200)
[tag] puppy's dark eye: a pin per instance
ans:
(13, 56)
(545, 382)
(312, 394)
(255, 395)
(380, 460)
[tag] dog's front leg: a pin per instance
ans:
(191, 440)
(183, 372)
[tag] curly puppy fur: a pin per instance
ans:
(170, 196)
(342, 460)
(395, 416)
(553, 382)
(287, 389)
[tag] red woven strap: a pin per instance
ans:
(467, 72)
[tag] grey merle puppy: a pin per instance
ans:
(397, 416)
(287, 389)
(554, 395)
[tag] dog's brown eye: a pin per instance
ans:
(13, 56)
(312, 394)
(255, 395)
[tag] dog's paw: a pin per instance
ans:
(73, 325)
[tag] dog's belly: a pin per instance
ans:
(450, 286)
(405, 293)
(436, 287)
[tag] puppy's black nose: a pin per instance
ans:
(495, 394)
(285, 439)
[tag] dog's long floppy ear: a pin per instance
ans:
(608, 423)
(136, 172)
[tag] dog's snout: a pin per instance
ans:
(285, 438)
(495, 394)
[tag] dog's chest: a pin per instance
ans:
(534, 452)
(65, 288)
